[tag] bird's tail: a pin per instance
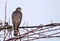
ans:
(16, 31)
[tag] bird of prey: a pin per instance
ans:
(16, 20)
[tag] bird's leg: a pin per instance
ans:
(19, 34)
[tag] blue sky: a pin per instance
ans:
(35, 12)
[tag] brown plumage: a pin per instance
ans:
(16, 20)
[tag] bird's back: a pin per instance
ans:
(16, 17)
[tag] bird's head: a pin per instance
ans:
(18, 9)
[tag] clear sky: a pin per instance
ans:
(35, 12)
